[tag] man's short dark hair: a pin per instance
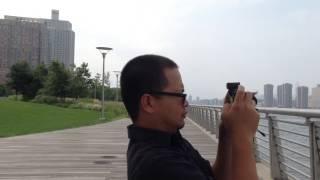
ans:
(140, 75)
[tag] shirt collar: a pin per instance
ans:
(155, 136)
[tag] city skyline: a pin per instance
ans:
(286, 96)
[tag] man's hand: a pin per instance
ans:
(240, 118)
(239, 125)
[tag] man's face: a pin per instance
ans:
(173, 109)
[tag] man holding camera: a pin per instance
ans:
(152, 91)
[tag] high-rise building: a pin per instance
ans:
(190, 99)
(302, 97)
(35, 40)
(268, 95)
(284, 94)
(315, 97)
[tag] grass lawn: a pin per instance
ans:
(17, 118)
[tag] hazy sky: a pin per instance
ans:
(251, 41)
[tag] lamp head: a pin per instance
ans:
(104, 50)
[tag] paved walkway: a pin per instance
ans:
(89, 153)
(94, 152)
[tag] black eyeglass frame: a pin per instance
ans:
(163, 93)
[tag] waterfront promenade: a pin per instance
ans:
(95, 152)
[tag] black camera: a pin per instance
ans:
(232, 91)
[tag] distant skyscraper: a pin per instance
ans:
(302, 97)
(36, 41)
(315, 97)
(190, 99)
(216, 101)
(284, 94)
(268, 95)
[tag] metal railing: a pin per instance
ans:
(291, 146)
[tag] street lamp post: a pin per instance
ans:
(103, 51)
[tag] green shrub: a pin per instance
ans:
(62, 102)
(89, 106)
(15, 97)
(112, 108)
(86, 100)
(116, 107)
(45, 99)
(68, 100)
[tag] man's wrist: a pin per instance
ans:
(241, 140)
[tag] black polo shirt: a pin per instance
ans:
(157, 155)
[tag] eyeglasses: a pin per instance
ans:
(162, 93)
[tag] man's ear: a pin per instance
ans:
(147, 103)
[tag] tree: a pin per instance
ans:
(107, 79)
(58, 81)
(110, 93)
(40, 74)
(3, 90)
(81, 81)
(97, 84)
(20, 78)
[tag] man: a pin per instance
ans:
(152, 91)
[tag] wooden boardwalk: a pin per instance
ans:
(89, 153)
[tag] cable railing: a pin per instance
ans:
(291, 145)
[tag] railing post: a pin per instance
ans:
(193, 114)
(204, 118)
(189, 110)
(203, 112)
(274, 158)
(212, 127)
(314, 151)
(216, 115)
(197, 118)
(200, 116)
(207, 118)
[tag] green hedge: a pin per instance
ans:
(15, 97)
(117, 108)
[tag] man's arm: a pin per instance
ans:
(222, 168)
(240, 122)
(243, 161)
